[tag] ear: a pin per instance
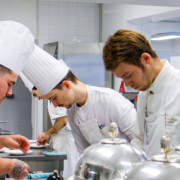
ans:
(145, 58)
(67, 84)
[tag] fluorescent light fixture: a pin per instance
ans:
(165, 36)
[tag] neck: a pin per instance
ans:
(157, 66)
(81, 94)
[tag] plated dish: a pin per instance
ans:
(34, 145)
(32, 141)
(3, 149)
(17, 152)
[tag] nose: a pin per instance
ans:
(55, 104)
(9, 92)
(128, 83)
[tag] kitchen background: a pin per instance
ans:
(81, 21)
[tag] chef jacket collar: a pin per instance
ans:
(160, 79)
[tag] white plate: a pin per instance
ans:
(34, 145)
(3, 149)
(17, 152)
(32, 141)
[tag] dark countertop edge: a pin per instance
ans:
(36, 158)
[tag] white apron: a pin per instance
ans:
(91, 129)
(64, 141)
(154, 129)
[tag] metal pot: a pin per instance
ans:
(109, 159)
(165, 166)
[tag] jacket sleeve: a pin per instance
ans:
(123, 112)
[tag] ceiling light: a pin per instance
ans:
(165, 36)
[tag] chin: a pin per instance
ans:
(69, 106)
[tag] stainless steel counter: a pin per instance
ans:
(39, 162)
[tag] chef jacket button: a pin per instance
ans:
(151, 92)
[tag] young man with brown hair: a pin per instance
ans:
(129, 56)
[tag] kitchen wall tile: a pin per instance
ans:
(53, 29)
(81, 30)
(17, 105)
(72, 30)
(9, 116)
(91, 39)
(63, 3)
(17, 118)
(72, 38)
(18, 130)
(43, 39)
(91, 11)
(72, 11)
(63, 10)
(82, 4)
(91, 21)
(62, 29)
(26, 94)
(97, 12)
(91, 31)
(81, 21)
(62, 38)
(18, 94)
(52, 38)
(53, 9)
(93, 5)
(53, 3)
(63, 20)
(53, 19)
(72, 3)
(27, 132)
(2, 117)
(42, 2)
(26, 117)
(43, 29)
(43, 9)
(43, 19)
(3, 105)
(9, 104)
(9, 128)
(26, 105)
(81, 11)
(2, 124)
(81, 38)
(72, 20)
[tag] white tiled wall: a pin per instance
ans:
(68, 21)
(17, 111)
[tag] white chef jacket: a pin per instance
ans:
(63, 140)
(108, 106)
(162, 98)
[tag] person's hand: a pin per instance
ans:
(15, 142)
(42, 138)
(18, 169)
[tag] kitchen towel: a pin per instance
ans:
(54, 153)
(39, 175)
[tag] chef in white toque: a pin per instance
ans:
(16, 46)
(61, 136)
(90, 109)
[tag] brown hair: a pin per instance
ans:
(126, 46)
(70, 76)
(4, 69)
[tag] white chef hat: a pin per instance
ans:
(44, 71)
(16, 45)
(27, 83)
